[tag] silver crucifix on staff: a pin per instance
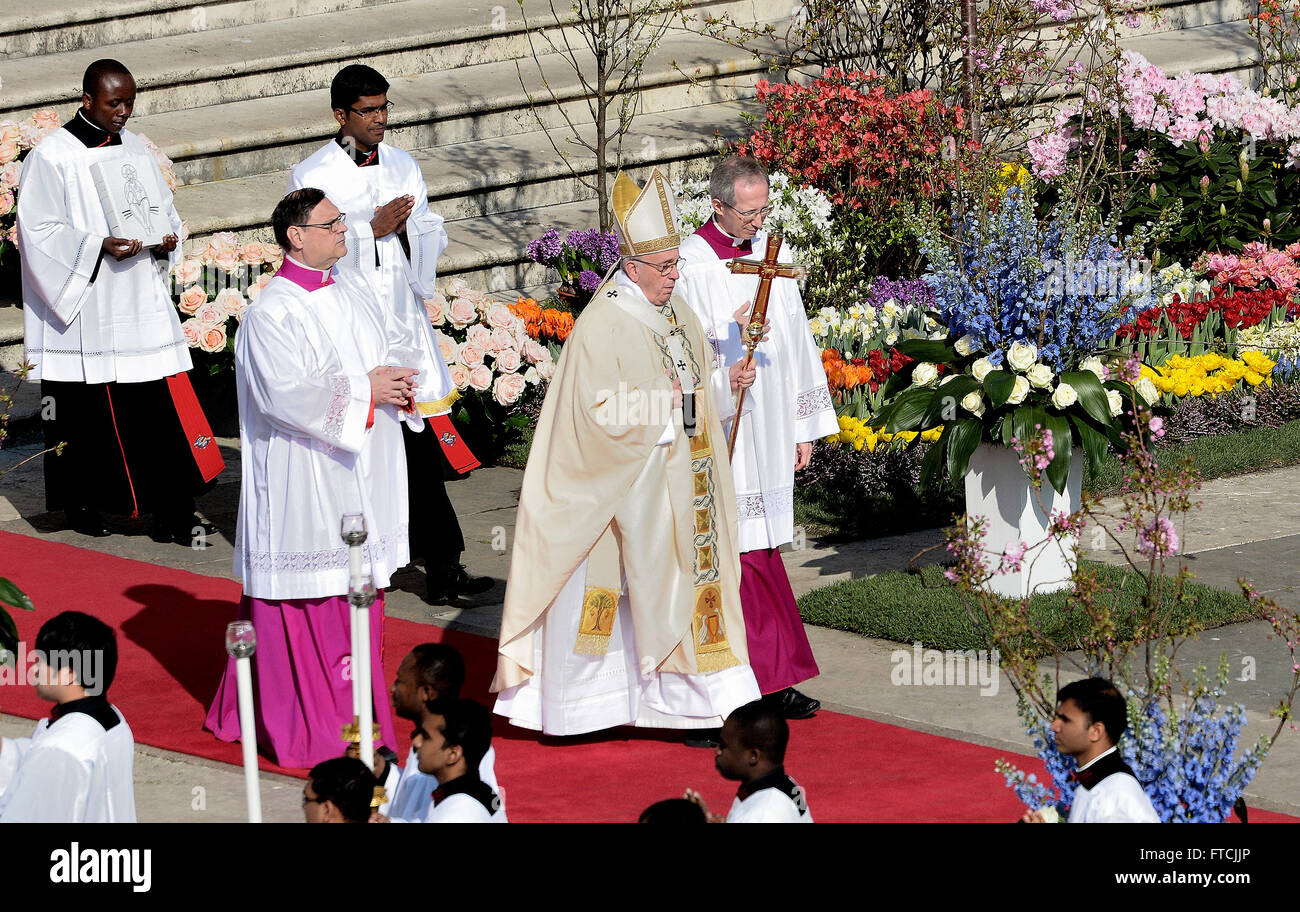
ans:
(766, 269)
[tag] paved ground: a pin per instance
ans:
(1248, 525)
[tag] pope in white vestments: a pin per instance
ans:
(319, 439)
(791, 407)
(622, 605)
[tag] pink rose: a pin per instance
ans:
(535, 351)
(253, 292)
(10, 175)
(230, 301)
(480, 336)
(480, 378)
(252, 254)
(6, 200)
(8, 152)
(47, 120)
(508, 388)
(226, 258)
(446, 346)
(189, 271)
(508, 360)
(10, 131)
(435, 308)
(500, 340)
(470, 355)
(212, 338)
(210, 313)
(274, 256)
(459, 375)
(456, 288)
(192, 298)
(546, 367)
(190, 329)
(500, 317)
(462, 313)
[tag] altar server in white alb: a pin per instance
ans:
(77, 767)
(791, 409)
(751, 751)
(99, 325)
(1090, 718)
(623, 605)
(323, 383)
(450, 744)
(394, 241)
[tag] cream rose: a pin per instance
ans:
(1022, 356)
(1019, 390)
(462, 313)
(973, 402)
(925, 374)
(190, 329)
(1094, 365)
(470, 355)
(252, 254)
(47, 120)
(435, 308)
(532, 377)
(508, 388)
(546, 367)
(535, 351)
(965, 345)
(500, 317)
(212, 338)
(981, 369)
(1064, 396)
(6, 200)
(231, 302)
(480, 378)
(456, 288)
(1040, 376)
(192, 299)
(210, 313)
(8, 152)
(1116, 403)
(500, 340)
(226, 258)
(11, 174)
(189, 271)
(508, 360)
(10, 131)
(446, 346)
(480, 336)
(459, 375)
(1147, 390)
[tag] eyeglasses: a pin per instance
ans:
(748, 213)
(340, 220)
(371, 112)
(662, 268)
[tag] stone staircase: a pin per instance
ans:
(236, 92)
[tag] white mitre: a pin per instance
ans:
(645, 217)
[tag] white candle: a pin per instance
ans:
(248, 737)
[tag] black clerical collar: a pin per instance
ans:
(1104, 766)
(776, 779)
(468, 784)
(95, 707)
(91, 136)
(361, 159)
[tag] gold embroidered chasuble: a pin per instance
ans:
(599, 487)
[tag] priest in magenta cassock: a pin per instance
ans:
(791, 408)
(323, 390)
(102, 334)
(394, 241)
(622, 605)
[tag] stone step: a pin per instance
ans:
(203, 68)
(481, 177)
(1225, 47)
(1166, 16)
(56, 26)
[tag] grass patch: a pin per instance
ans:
(926, 609)
(1218, 456)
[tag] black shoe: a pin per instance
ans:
(446, 587)
(184, 530)
(703, 737)
(87, 522)
(792, 704)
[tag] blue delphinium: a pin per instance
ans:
(1009, 279)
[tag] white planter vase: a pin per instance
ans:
(998, 490)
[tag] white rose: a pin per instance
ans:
(1094, 364)
(1022, 356)
(1040, 376)
(1147, 390)
(1019, 390)
(981, 369)
(1065, 396)
(925, 374)
(973, 402)
(965, 345)
(1115, 401)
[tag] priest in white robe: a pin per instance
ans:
(622, 605)
(102, 333)
(78, 765)
(323, 387)
(791, 409)
(394, 241)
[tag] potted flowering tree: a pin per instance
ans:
(1028, 307)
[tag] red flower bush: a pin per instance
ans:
(1239, 309)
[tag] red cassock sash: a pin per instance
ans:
(198, 433)
(453, 445)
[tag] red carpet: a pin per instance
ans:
(171, 627)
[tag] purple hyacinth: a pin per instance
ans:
(588, 281)
(905, 292)
(546, 249)
(608, 251)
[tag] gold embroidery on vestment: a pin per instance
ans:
(599, 607)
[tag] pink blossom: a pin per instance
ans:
(1157, 426)
(1158, 539)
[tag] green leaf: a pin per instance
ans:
(1024, 418)
(1094, 442)
(896, 384)
(1091, 395)
(12, 595)
(932, 350)
(933, 460)
(906, 412)
(966, 434)
(998, 385)
(1058, 471)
